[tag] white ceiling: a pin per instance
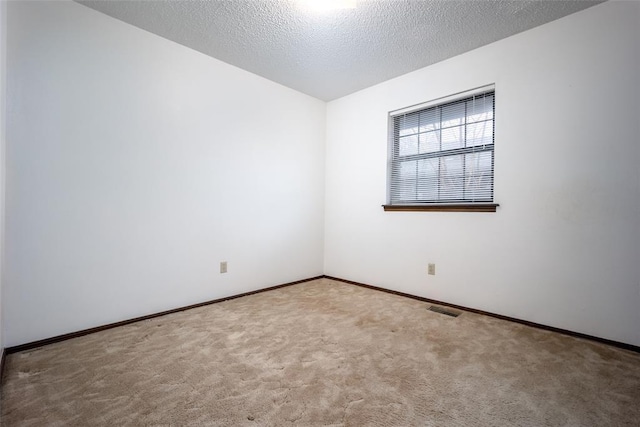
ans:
(334, 54)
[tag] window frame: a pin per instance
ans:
(393, 157)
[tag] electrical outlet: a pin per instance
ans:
(223, 266)
(432, 269)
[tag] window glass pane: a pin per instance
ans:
(429, 120)
(480, 108)
(408, 124)
(408, 170)
(451, 177)
(479, 175)
(428, 179)
(480, 133)
(408, 145)
(452, 114)
(452, 138)
(430, 142)
(407, 181)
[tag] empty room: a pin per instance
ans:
(310, 213)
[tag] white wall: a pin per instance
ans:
(125, 155)
(563, 248)
(135, 165)
(3, 68)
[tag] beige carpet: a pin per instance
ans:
(322, 353)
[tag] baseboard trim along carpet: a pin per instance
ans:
(4, 356)
(64, 337)
(618, 344)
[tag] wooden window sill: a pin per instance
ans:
(443, 207)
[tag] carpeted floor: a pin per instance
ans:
(322, 353)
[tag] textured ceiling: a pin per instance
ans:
(333, 54)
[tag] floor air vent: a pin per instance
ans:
(446, 311)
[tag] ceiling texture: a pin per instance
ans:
(332, 54)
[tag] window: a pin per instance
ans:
(441, 154)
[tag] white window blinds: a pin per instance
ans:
(443, 153)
